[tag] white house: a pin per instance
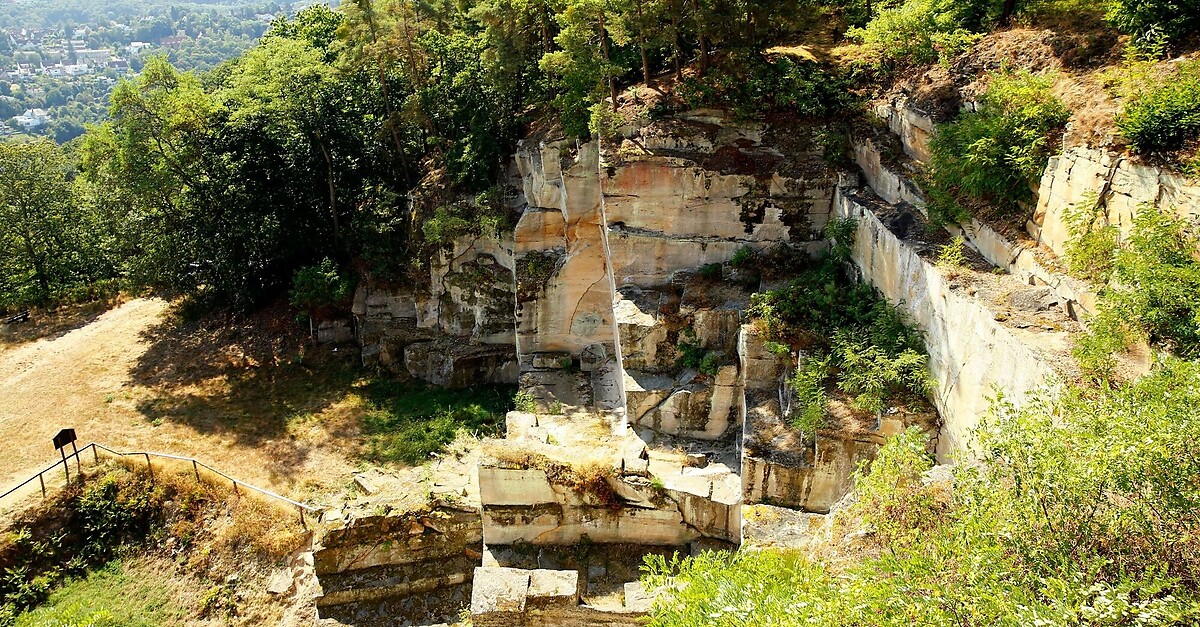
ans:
(32, 118)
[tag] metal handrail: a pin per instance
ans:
(196, 465)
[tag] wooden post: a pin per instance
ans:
(66, 466)
(42, 480)
(149, 468)
(196, 469)
(78, 464)
(302, 523)
(95, 453)
(235, 490)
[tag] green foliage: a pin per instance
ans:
(407, 424)
(811, 400)
(745, 257)
(320, 288)
(1080, 511)
(751, 85)
(1154, 19)
(710, 271)
(691, 351)
(51, 246)
(921, 32)
(445, 225)
(525, 402)
(1153, 295)
(711, 363)
(1092, 247)
(890, 495)
(854, 338)
(991, 155)
(952, 257)
(1163, 116)
(840, 232)
(872, 373)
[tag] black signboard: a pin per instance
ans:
(64, 437)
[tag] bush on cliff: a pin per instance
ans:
(992, 154)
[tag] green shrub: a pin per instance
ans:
(320, 288)
(873, 374)
(1163, 116)
(1154, 19)
(1154, 295)
(992, 154)
(745, 257)
(525, 402)
(1092, 247)
(953, 256)
(750, 85)
(445, 225)
(1079, 511)
(710, 271)
(861, 343)
(919, 32)
(808, 384)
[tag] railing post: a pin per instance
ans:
(302, 523)
(235, 490)
(149, 468)
(66, 466)
(95, 453)
(42, 480)
(196, 469)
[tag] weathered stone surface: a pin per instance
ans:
(1118, 185)
(449, 363)
(970, 353)
(504, 486)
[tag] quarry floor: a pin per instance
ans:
(240, 396)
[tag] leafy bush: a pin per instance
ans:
(1155, 294)
(1092, 246)
(1154, 19)
(750, 85)
(320, 288)
(525, 402)
(952, 257)
(874, 374)
(1081, 510)
(919, 32)
(993, 153)
(811, 400)
(1163, 116)
(445, 225)
(862, 343)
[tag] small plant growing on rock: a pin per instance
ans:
(952, 258)
(525, 402)
(808, 385)
(710, 271)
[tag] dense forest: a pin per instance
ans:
(355, 135)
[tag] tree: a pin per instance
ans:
(286, 84)
(36, 216)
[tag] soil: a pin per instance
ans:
(250, 399)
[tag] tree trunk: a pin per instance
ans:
(642, 44)
(675, 36)
(607, 56)
(1006, 12)
(332, 192)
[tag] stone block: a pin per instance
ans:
(502, 486)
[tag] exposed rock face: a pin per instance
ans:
(467, 308)
(415, 567)
(1119, 185)
(971, 353)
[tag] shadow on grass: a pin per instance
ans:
(406, 422)
(255, 377)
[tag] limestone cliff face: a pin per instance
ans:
(456, 331)
(609, 245)
(1119, 185)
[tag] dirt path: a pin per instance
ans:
(92, 379)
(63, 381)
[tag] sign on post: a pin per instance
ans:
(65, 437)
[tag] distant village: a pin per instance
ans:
(45, 71)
